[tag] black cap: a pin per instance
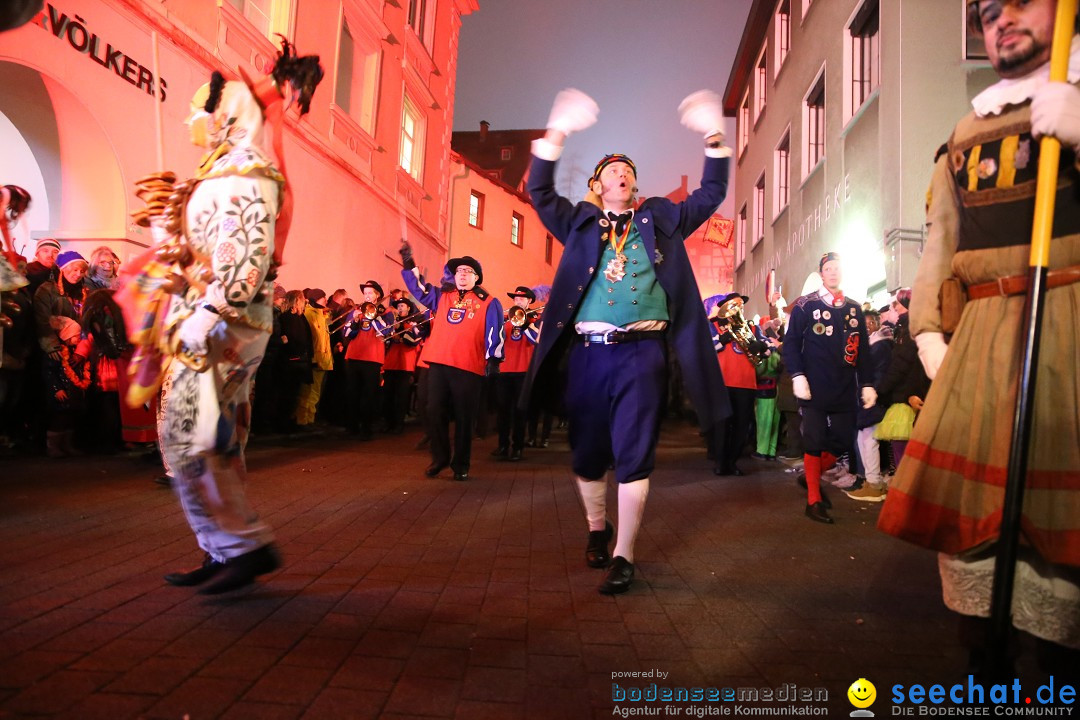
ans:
(826, 258)
(731, 296)
(315, 297)
(524, 292)
(373, 285)
(469, 261)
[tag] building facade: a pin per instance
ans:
(369, 164)
(840, 106)
(491, 216)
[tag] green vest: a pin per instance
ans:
(638, 296)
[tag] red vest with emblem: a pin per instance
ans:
(736, 368)
(368, 345)
(457, 333)
(517, 351)
(400, 356)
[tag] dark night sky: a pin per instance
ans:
(636, 58)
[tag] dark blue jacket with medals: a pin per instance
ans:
(664, 226)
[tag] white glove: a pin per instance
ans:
(932, 347)
(1055, 111)
(158, 233)
(869, 397)
(702, 112)
(196, 329)
(572, 111)
(801, 386)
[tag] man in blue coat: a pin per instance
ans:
(624, 286)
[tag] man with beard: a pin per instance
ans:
(948, 492)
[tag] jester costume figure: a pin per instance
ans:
(218, 325)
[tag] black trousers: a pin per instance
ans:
(511, 418)
(832, 432)
(397, 385)
(452, 393)
(733, 434)
(362, 380)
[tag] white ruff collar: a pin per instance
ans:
(1017, 91)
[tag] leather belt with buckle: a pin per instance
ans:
(616, 337)
(1018, 284)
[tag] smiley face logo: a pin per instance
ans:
(862, 693)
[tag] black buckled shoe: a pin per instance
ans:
(197, 576)
(434, 469)
(461, 476)
(596, 552)
(241, 571)
(501, 452)
(818, 513)
(618, 578)
(516, 455)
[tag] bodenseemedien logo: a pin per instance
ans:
(862, 694)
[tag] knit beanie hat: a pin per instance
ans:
(66, 258)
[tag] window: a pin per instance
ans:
(864, 57)
(806, 7)
(258, 13)
(412, 139)
(740, 237)
(782, 24)
(549, 243)
(744, 123)
(506, 153)
(357, 78)
(517, 227)
(422, 20)
(761, 86)
(759, 210)
(476, 209)
(781, 176)
(814, 125)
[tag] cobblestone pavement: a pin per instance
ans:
(403, 597)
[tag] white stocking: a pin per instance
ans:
(594, 498)
(632, 497)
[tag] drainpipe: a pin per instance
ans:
(453, 195)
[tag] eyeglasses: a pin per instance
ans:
(464, 271)
(108, 263)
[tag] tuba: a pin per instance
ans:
(744, 337)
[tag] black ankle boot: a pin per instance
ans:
(197, 576)
(241, 571)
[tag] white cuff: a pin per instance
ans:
(721, 152)
(546, 150)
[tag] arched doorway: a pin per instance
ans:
(56, 149)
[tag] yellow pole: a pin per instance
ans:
(1007, 551)
(1049, 147)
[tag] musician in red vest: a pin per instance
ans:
(402, 350)
(366, 332)
(466, 344)
(740, 376)
(521, 337)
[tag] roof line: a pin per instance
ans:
(757, 24)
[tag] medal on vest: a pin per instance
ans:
(616, 267)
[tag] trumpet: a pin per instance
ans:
(517, 316)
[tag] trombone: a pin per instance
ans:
(404, 330)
